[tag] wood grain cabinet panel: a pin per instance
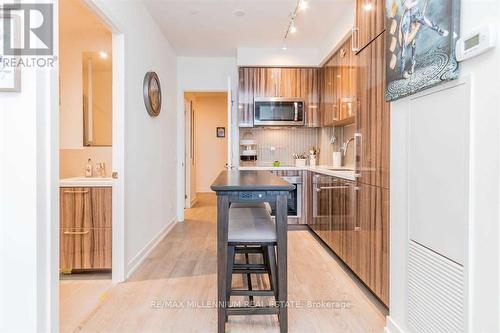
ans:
(373, 119)
(372, 262)
(339, 90)
(258, 82)
(246, 91)
(85, 228)
(87, 248)
(370, 22)
(85, 207)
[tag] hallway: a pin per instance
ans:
(181, 270)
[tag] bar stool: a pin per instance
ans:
(251, 231)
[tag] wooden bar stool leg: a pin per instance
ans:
(271, 257)
(229, 274)
(249, 279)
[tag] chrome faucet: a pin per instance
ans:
(344, 147)
(101, 169)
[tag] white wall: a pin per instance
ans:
(199, 75)
(485, 180)
(150, 143)
(28, 179)
(18, 205)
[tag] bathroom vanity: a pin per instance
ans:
(85, 224)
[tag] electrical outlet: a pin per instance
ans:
(333, 140)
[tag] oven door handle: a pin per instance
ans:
(319, 189)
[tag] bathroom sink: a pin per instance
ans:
(88, 179)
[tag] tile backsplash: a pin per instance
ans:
(341, 134)
(278, 144)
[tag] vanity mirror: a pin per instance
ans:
(97, 98)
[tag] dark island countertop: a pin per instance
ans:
(249, 180)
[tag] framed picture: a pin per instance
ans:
(221, 132)
(10, 77)
(420, 46)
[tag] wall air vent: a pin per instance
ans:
(436, 292)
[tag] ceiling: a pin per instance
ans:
(213, 28)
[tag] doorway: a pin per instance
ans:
(91, 232)
(207, 138)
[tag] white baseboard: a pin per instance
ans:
(146, 250)
(391, 326)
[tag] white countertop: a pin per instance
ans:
(86, 182)
(340, 172)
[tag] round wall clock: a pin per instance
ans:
(152, 93)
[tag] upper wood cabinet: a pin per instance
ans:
(373, 120)
(339, 94)
(247, 81)
(255, 82)
(370, 22)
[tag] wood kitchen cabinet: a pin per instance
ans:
(371, 263)
(339, 90)
(373, 117)
(258, 82)
(247, 79)
(85, 228)
(353, 220)
(370, 22)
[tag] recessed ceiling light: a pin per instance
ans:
(239, 13)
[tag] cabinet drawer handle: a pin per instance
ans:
(331, 188)
(354, 39)
(76, 192)
(357, 154)
(76, 232)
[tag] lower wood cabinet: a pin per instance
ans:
(85, 249)
(85, 228)
(353, 220)
(372, 239)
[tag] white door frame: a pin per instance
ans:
(118, 271)
(188, 151)
(182, 147)
(48, 190)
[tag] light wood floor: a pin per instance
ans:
(183, 268)
(79, 294)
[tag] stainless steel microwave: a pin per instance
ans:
(277, 111)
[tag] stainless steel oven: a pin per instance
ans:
(276, 111)
(294, 197)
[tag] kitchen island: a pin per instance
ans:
(235, 186)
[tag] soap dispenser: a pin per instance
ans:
(88, 168)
